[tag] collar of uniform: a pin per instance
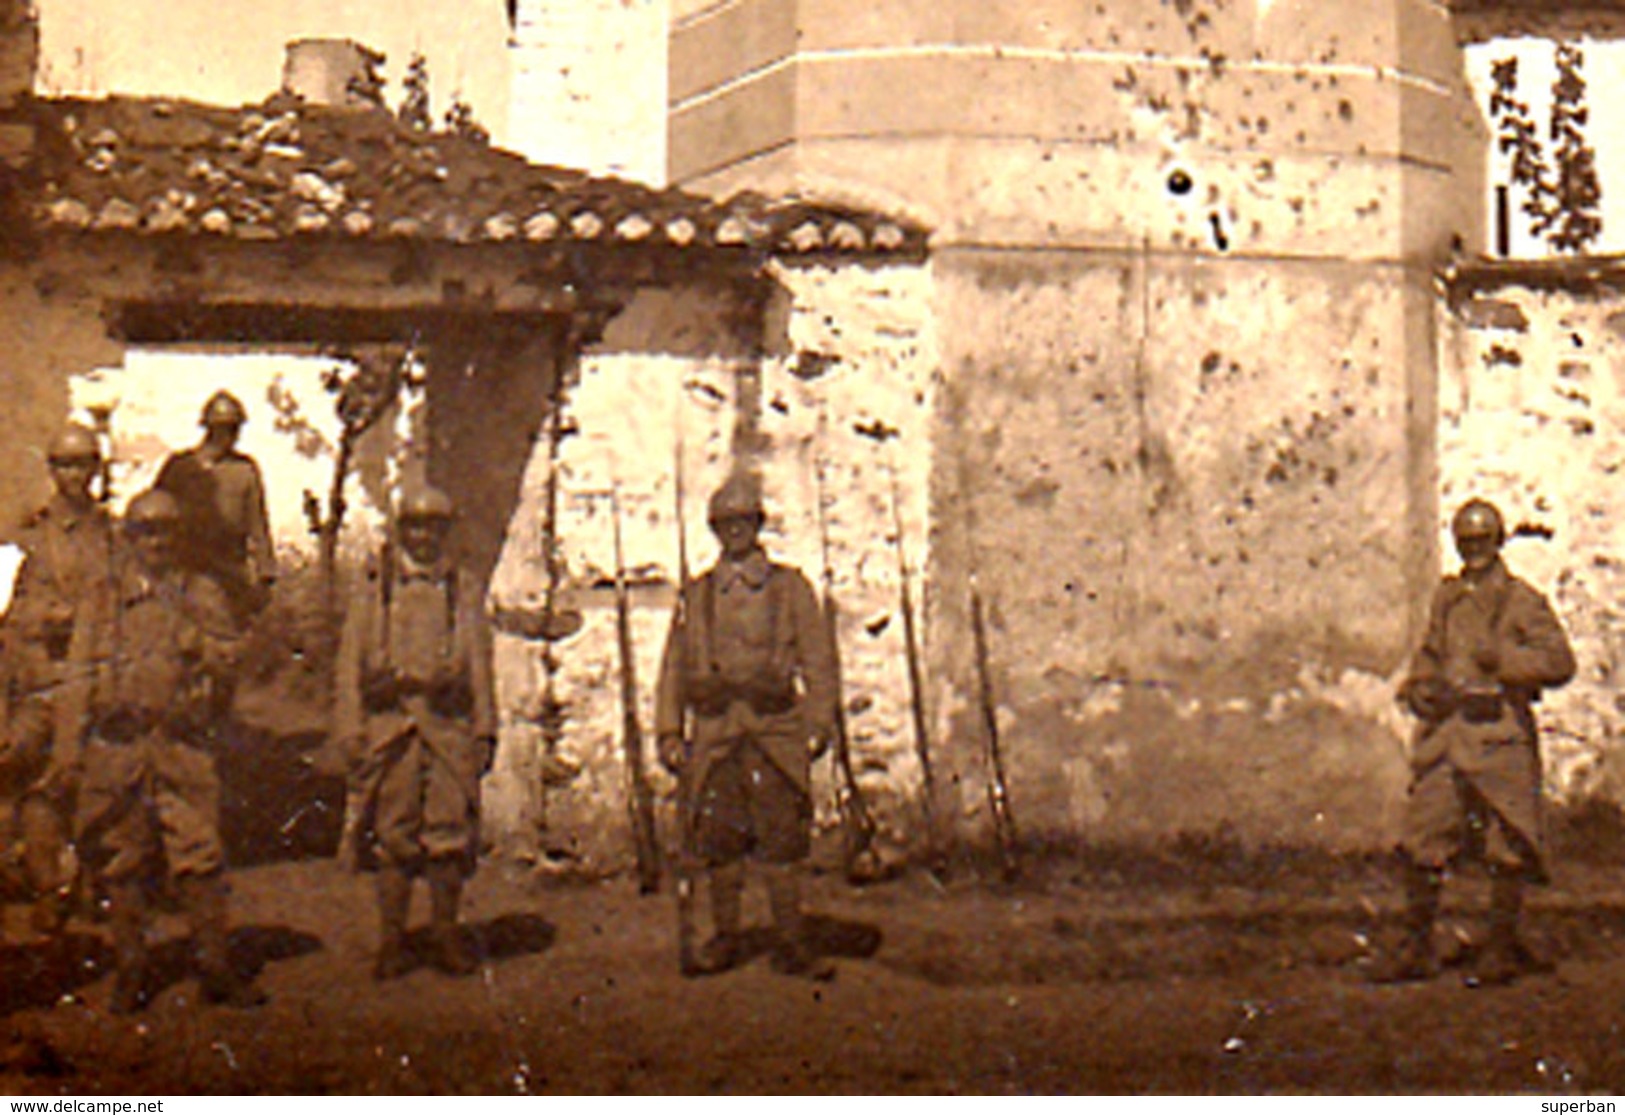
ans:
(751, 570)
(1490, 586)
(139, 584)
(409, 570)
(65, 514)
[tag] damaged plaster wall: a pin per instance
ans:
(1190, 509)
(1184, 434)
(1532, 411)
(668, 366)
(846, 346)
(852, 352)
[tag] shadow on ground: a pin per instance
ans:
(1073, 949)
(506, 937)
(252, 948)
(40, 973)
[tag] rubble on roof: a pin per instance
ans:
(289, 169)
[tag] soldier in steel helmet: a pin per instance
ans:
(67, 546)
(416, 715)
(151, 654)
(225, 531)
(748, 664)
(1492, 646)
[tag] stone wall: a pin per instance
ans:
(667, 367)
(1196, 507)
(843, 347)
(1531, 413)
(1183, 425)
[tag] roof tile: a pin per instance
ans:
(284, 168)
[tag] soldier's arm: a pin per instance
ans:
(169, 474)
(815, 654)
(35, 599)
(28, 727)
(1534, 650)
(261, 551)
(220, 642)
(71, 709)
(1430, 657)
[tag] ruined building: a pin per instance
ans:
(1141, 324)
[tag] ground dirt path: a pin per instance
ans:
(1064, 984)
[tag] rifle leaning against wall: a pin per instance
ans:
(640, 798)
(859, 861)
(881, 433)
(686, 868)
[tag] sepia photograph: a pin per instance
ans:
(779, 547)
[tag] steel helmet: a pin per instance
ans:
(153, 506)
(425, 503)
(740, 497)
(75, 443)
(1479, 518)
(223, 409)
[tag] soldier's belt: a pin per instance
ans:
(57, 637)
(715, 697)
(1480, 705)
(126, 725)
(385, 691)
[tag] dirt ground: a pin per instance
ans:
(1162, 976)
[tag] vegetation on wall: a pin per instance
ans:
(1562, 194)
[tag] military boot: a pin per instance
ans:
(447, 953)
(725, 950)
(127, 914)
(204, 899)
(793, 954)
(1414, 960)
(1501, 961)
(394, 902)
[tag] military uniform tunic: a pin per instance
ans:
(225, 531)
(749, 655)
(422, 750)
(67, 550)
(1477, 773)
(68, 556)
(149, 661)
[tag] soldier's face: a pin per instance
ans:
(423, 539)
(222, 434)
(154, 543)
(72, 476)
(737, 534)
(1478, 551)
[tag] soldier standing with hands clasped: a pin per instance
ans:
(415, 712)
(749, 666)
(1492, 645)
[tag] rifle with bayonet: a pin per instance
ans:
(640, 798)
(687, 960)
